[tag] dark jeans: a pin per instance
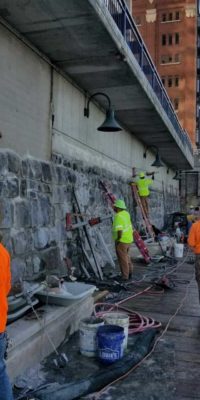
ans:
(5, 387)
(197, 271)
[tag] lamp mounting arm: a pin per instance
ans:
(151, 146)
(86, 109)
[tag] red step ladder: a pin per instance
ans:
(144, 216)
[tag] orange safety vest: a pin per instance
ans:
(194, 237)
(5, 286)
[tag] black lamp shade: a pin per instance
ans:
(157, 163)
(110, 124)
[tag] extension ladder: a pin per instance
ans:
(139, 204)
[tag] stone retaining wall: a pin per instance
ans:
(34, 198)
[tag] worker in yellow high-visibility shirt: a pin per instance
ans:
(143, 184)
(123, 237)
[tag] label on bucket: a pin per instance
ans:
(109, 354)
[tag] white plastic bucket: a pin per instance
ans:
(178, 250)
(120, 319)
(87, 335)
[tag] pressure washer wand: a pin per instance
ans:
(91, 222)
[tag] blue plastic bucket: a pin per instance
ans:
(110, 343)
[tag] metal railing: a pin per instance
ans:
(123, 19)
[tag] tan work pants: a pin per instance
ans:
(145, 204)
(126, 266)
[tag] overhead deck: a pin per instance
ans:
(82, 38)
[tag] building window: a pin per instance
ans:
(170, 17)
(177, 38)
(170, 39)
(138, 20)
(176, 81)
(169, 81)
(163, 40)
(177, 58)
(163, 80)
(170, 59)
(176, 104)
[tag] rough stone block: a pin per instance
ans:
(38, 265)
(23, 188)
(67, 163)
(72, 178)
(22, 241)
(61, 210)
(14, 163)
(46, 172)
(57, 158)
(41, 238)
(22, 215)
(47, 210)
(46, 188)
(6, 241)
(3, 164)
(32, 169)
(3, 188)
(53, 239)
(18, 268)
(36, 213)
(12, 187)
(35, 268)
(59, 194)
(52, 259)
(6, 213)
(60, 175)
(61, 231)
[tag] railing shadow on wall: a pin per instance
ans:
(123, 19)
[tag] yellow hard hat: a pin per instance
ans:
(142, 175)
(120, 204)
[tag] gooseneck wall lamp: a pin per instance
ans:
(157, 162)
(110, 124)
(177, 176)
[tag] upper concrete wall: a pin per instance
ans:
(77, 137)
(24, 99)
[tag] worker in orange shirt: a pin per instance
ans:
(194, 243)
(5, 285)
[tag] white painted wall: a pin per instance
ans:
(77, 137)
(24, 98)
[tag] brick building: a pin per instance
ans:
(169, 28)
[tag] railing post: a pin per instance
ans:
(141, 56)
(153, 79)
(124, 22)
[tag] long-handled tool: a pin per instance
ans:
(88, 238)
(102, 241)
(91, 221)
